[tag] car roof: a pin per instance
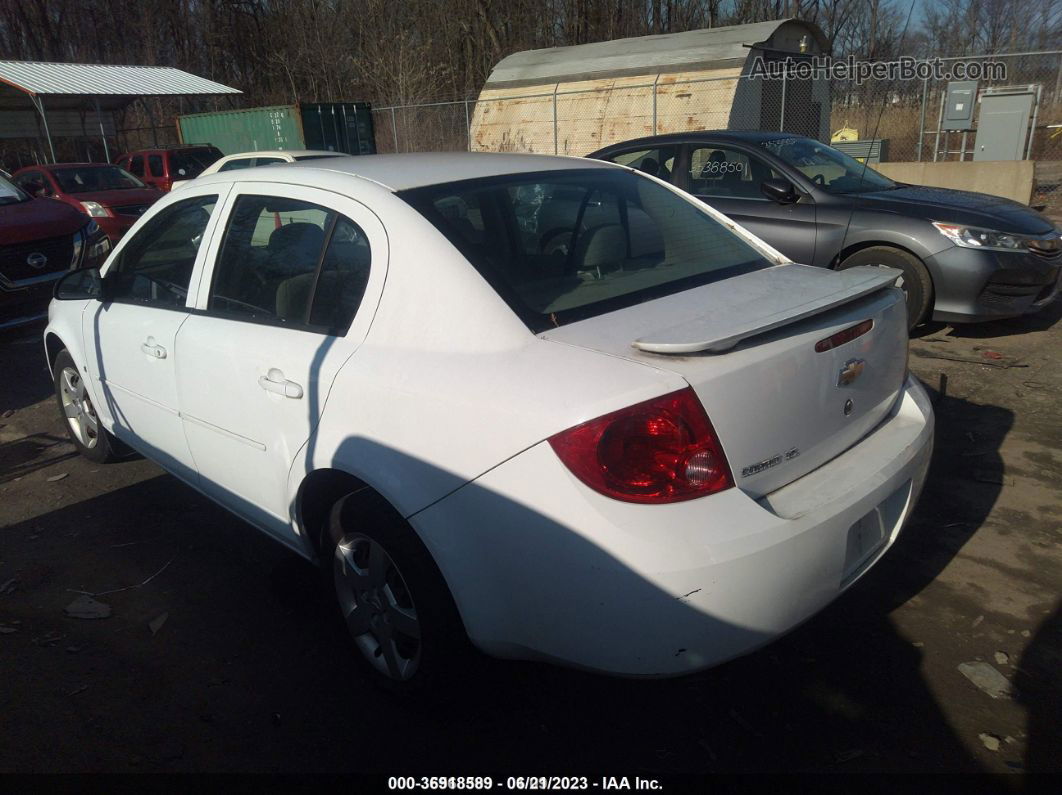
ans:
(405, 171)
(50, 166)
(737, 136)
(282, 152)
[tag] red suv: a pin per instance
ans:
(164, 165)
(40, 240)
(115, 198)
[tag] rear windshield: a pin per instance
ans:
(189, 163)
(560, 246)
(94, 178)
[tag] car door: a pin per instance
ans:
(289, 297)
(728, 178)
(132, 335)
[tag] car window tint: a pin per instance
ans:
(34, 183)
(274, 250)
(155, 266)
(344, 275)
(155, 165)
(658, 162)
(265, 161)
(725, 172)
(561, 247)
(136, 166)
(240, 162)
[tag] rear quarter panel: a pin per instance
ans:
(449, 382)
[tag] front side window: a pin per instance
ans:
(155, 165)
(562, 246)
(292, 263)
(155, 267)
(136, 166)
(724, 172)
(830, 169)
(659, 162)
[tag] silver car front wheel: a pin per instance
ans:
(77, 408)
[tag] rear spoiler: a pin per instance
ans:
(767, 299)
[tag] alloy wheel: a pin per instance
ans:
(78, 409)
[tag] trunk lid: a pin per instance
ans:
(747, 346)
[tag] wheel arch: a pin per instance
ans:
(320, 490)
(53, 345)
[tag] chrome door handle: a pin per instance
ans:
(149, 347)
(275, 382)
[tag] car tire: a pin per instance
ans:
(402, 621)
(916, 285)
(83, 427)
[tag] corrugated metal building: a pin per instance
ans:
(574, 100)
(44, 101)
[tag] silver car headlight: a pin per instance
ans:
(95, 210)
(974, 237)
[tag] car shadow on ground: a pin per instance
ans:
(252, 670)
(28, 454)
(26, 378)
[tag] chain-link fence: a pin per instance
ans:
(898, 120)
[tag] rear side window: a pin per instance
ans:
(155, 267)
(564, 245)
(659, 162)
(721, 171)
(155, 165)
(291, 263)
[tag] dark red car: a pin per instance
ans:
(164, 165)
(113, 197)
(40, 240)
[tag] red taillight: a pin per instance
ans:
(841, 337)
(662, 450)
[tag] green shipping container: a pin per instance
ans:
(336, 127)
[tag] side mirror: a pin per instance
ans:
(779, 190)
(80, 285)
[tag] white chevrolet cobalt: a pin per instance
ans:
(552, 406)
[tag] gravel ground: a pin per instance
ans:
(221, 651)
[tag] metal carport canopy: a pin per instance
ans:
(69, 85)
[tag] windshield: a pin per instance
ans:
(561, 246)
(828, 168)
(90, 179)
(190, 163)
(11, 193)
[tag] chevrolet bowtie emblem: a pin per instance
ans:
(852, 369)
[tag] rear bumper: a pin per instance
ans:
(973, 286)
(543, 568)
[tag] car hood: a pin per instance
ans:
(38, 219)
(959, 207)
(119, 198)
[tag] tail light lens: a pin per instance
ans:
(663, 450)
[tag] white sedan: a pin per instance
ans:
(269, 157)
(551, 406)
